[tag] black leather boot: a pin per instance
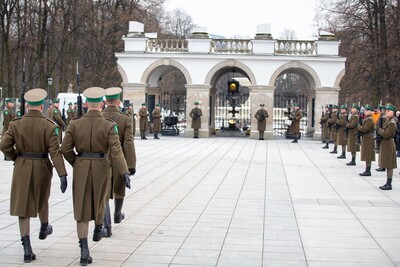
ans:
(352, 162)
(388, 185)
(295, 139)
(85, 254)
(45, 230)
(156, 136)
(28, 253)
(99, 232)
(107, 220)
(334, 151)
(367, 171)
(118, 215)
(343, 156)
(380, 169)
(326, 145)
(259, 136)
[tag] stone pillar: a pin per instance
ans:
(323, 96)
(213, 92)
(262, 94)
(136, 94)
(200, 93)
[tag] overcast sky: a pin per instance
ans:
(240, 18)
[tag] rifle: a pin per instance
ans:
(79, 100)
(23, 90)
(337, 126)
(330, 116)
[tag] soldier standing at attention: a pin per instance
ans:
(261, 116)
(351, 136)
(70, 113)
(341, 122)
(379, 124)
(9, 115)
(324, 124)
(28, 142)
(143, 121)
(131, 113)
(367, 144)
(96, 140)
(58, 119)
(124, 122)
(156, 121)
(332, 125)
(196, 114)
(387, 148)
(295, 125)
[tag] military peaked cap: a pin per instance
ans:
(94, 94)
(113, 92)
(391, 107)
(35, 97)
(369, 107)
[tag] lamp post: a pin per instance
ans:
(49, 83)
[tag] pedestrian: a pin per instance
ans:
(261, 117)
(124, 122)
(28, 142)
(295, 117)
(341, 123)
(57, 118)
(8, 115)
(367, 144)
(196, 114)
(156, 121)
(387, 148)
(143, 115)
(351, 134)
(95, 140)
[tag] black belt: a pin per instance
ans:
(92, 155)
(33, 155)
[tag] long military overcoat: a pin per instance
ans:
(156, 120)
(261, 123)
(331, 125)
(324, 122)
(196, 114)
(30, 187)
(143, 119)
(387, 149)
(351, 137)
(92, 133)
(133, 117)
(295, 125)
(340, 140)
(367, 144)
(9, 115)
(124, 122)
(58, 119)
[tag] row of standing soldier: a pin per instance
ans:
(94, 145)
(357, 133)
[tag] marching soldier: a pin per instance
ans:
(196, 114)
(367, 144)
(325, 127)
(28, 142)
(156, 121)
(351, 134)
(75, 108)
(261, 116)
(96, 140)
(58, 119)
(70, 113)
(340, 138)
(295, 125)
(332, 126)
(387, 148)
(8, 115)
(143, 121)
(131, 113)
(50, 111)
(379, 124)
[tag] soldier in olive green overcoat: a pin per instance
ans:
(196, 114)
(324, 126)
(56, 114)
(295, 117)
(332, 126)
(70, 113)
(379, 124)
(28, 142)
(143, 120)
(261, 117)
(367, 144)
(8, 115)
(131, 113)
(340, 138)
(156, 121)
(351, 136)
(96, 140)
(387, 148)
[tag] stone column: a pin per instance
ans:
(136, 94)
(212, 109)
(201, 94)
(323, 96)
(262, 94)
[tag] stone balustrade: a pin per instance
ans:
(295, 47)
(167, 45)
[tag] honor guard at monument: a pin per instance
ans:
(351, 134)
(332, 126)
(124, 122)
(70, 112)
(324, 124)
(28, 142)
(156, 121)
(295, 117)
(196, 114)
(379, 124)
(367, 145)
(261, 117)
(96, 141)
(50, 111)
(143, 115)
(8, 116)
(57, 118)
(341, 125)
(131, 113)
(387, 148)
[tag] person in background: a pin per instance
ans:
(295, 117)
(367, 145)
(8, 116)
(196, 114)
(156, 121)
(143, 114)
(261, 117)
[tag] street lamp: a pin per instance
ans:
(49, 83)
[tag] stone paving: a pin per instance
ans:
(228, 202)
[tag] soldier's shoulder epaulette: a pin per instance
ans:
(110, 120)
(16, 118)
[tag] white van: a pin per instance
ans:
(66, 98)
